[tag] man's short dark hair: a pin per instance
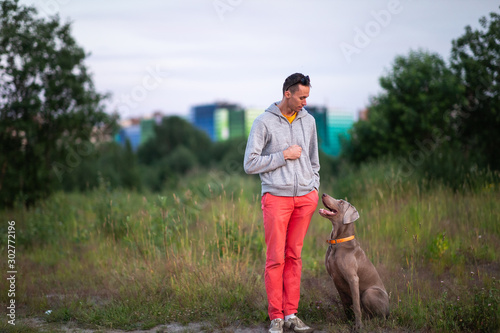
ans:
(291, 82)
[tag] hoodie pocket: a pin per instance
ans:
(283, 176)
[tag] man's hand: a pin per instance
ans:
(292, 152)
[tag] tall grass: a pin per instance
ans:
(130, 260)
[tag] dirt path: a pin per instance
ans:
(43, 326)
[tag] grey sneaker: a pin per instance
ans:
(276, 326)
(298, 325)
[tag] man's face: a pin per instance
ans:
(297, 100)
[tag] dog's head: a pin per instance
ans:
(338, 211)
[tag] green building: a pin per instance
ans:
(147, 129)
(331, 125)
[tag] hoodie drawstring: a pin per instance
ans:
(303, 132)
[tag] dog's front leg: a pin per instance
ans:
(356, 302)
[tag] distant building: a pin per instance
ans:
(220, 121)
(250, 115)
(331, 125)
(338, 124)
(147, 130)
(319, 113)
(138, 130)
(363, 114)
(131, 133)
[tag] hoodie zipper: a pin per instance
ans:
(295, 179)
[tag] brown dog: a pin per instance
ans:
(355, 277)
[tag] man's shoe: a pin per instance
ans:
(298, 325)
(276, 326)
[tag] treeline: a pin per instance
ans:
(176, 149)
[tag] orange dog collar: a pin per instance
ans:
(340, 240)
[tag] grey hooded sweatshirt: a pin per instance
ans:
(270, 135)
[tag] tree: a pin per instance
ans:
(172, 133)
(176, 148)
(109, 164)
(412, 113)
(48, 104)
(228, 155)
(476, 61)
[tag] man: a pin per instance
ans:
(283, 149)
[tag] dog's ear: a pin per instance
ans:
(350, 215)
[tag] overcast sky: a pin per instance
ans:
(170, 55)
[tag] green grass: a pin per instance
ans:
(115, 259)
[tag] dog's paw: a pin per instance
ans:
(358, 326)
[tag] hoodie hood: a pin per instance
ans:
(274, 109)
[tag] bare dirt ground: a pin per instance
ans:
(43, 326)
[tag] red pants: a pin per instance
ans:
(286, 220)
